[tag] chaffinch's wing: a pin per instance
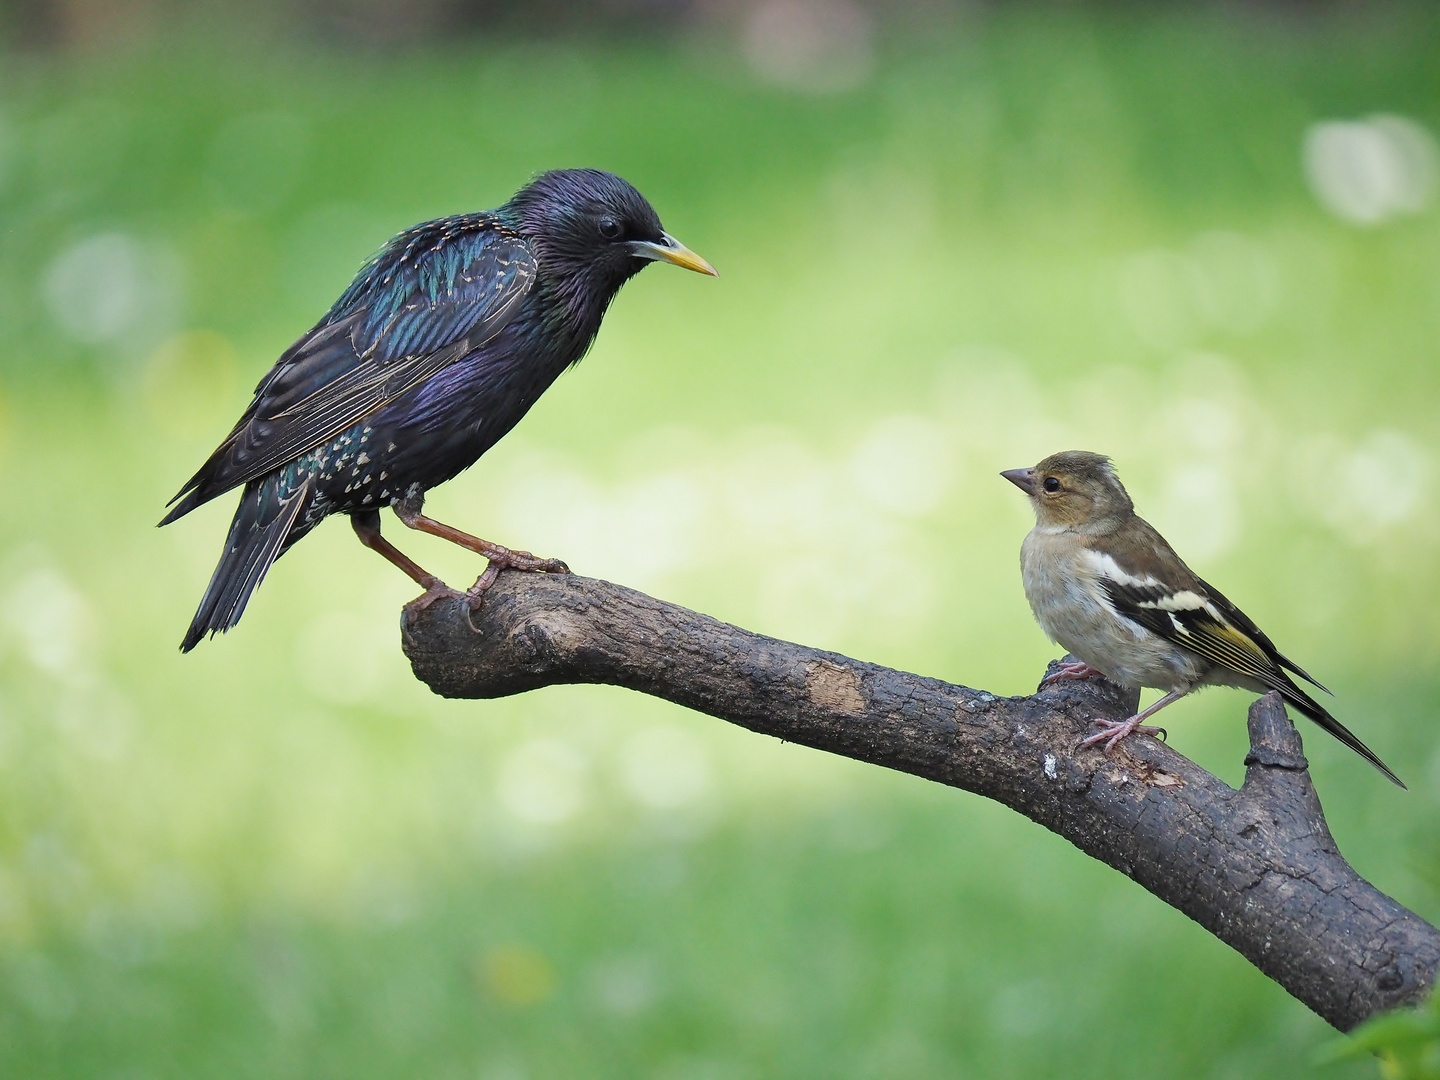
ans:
(1147, 583)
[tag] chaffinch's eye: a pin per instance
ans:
(1051, 484)
(610, 228)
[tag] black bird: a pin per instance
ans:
(439, 346)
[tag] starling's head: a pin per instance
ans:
(594, 228)
(1074, 489)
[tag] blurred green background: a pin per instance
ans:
(952, 240)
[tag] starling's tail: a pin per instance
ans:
(1315, 711)
(262, 524)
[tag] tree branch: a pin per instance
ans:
(1256, 867)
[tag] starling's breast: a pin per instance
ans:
(440, 428)
(348, 472)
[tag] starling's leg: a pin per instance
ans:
(1112, 731)
(367, 528)
(500, 558)
(1073, 670)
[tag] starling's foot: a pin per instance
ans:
(511, 560)
(1112, 731)
(1073, 670)
(505, 559)
(435, 589)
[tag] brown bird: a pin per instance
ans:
(1106, 586)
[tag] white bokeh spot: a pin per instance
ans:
(904, 464)
(542, 781)
(112, 288)
(664, 768)
(1369, 171)
(50, 618)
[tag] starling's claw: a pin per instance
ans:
(435, 589)
(523, 560)
(505, 559)
(476, 592)
(511, 560)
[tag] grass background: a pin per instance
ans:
(1030, 231)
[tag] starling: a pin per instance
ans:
(1105, 585)
(439, 346)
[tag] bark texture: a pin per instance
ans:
(1256, 867)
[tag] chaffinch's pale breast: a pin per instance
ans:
(1107, 587)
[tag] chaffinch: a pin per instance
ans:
(1106, 586)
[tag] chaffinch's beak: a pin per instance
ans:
(1024, 479)
(672, 251)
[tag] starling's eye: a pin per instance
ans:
(610, 228)
(1051, 484)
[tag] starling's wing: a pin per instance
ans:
(1158, 591)
(436, 293)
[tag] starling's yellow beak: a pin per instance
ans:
(672, 251)
(1024, 479)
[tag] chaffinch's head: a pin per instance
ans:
(1074, 488)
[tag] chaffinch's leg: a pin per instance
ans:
(1112, 731)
